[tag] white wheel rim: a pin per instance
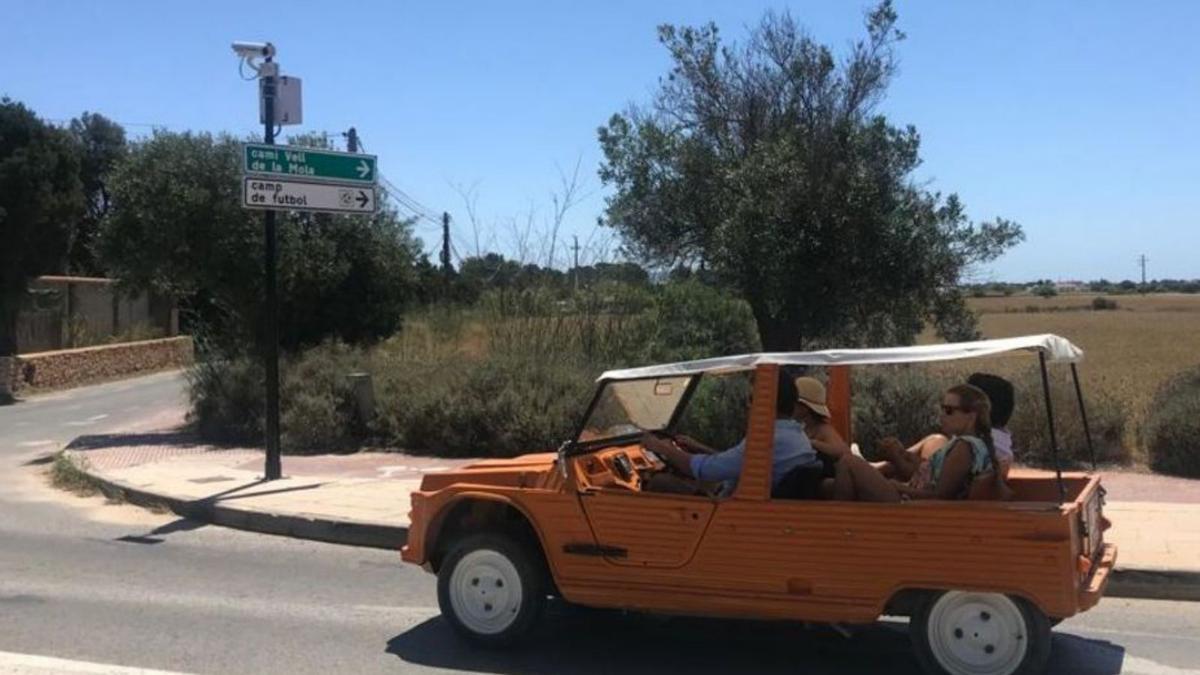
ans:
(485, 591)
(977, 633)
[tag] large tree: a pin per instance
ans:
(102, 145)
(177, 226)
(41, 200)
(768, 165)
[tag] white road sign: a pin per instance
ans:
(283, 195)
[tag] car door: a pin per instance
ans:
(645, 529)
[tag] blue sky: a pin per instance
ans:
(1077, 120)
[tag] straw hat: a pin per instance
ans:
(812, 394)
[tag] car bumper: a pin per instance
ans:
(1091, 594)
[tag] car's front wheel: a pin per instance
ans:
(491, 589)
(964, 633)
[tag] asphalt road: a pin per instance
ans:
(84, 582)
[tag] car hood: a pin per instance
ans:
(526, 471)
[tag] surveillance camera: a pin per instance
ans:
(249, 50)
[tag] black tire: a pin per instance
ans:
(1032, 624)
(497, 563)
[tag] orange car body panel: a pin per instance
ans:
(610, 544)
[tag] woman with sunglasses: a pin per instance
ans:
(947, 473)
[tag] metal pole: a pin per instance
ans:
(446, 253)
(1087, 431)
(273, 470)
(1062, 491)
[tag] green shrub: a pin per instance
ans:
(1045, 291)
(717, 411)
(512, 374)
(1107, 418)
(898, 401)
(1101, 303)
(500, 406)
(317, 408)
(1173, 426)
(692, 320)
(226, 395)
(318, 412)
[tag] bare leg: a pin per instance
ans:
(929, 445)
(857, 480)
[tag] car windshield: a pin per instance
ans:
(633, 406)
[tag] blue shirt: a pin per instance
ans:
(791, 449)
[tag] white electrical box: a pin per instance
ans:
(287, 101)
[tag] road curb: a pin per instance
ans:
(351, 533)
(1154, 584)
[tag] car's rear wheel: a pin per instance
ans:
(964, 633)
(491, 589)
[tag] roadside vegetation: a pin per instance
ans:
(67, 473)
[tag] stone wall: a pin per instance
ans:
(71, 312)
(72, 367)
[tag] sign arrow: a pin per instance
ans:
(362, 198)
(363, 169)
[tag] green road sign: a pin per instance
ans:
(322, 166)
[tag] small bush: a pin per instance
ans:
(1101, 303)
(70, 474)
(226, 394)
(1173, 426)
(1045, 291)
(318, 412)
(1107, 418)
(898, 401)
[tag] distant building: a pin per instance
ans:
(1070, 286)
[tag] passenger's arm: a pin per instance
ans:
(956, 471)
(905, 461)
(827, 441)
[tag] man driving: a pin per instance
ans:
(699, 462)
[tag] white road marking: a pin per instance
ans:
(29, 664)
(83, 423)
(1134, 633)
(1135, 665)
(36, 444)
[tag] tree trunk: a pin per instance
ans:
(10, 307)
(778, 335)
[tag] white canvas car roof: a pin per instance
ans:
(1056, 349)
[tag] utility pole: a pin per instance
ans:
(352, 140)
(1142, 261)
(576, 268)
(446, 253)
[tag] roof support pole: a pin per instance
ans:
(1087, 431)
(1062, 490)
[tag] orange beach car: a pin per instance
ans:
(982, 581)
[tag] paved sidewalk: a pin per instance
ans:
(363, 499)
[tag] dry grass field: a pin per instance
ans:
(1128, 352)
